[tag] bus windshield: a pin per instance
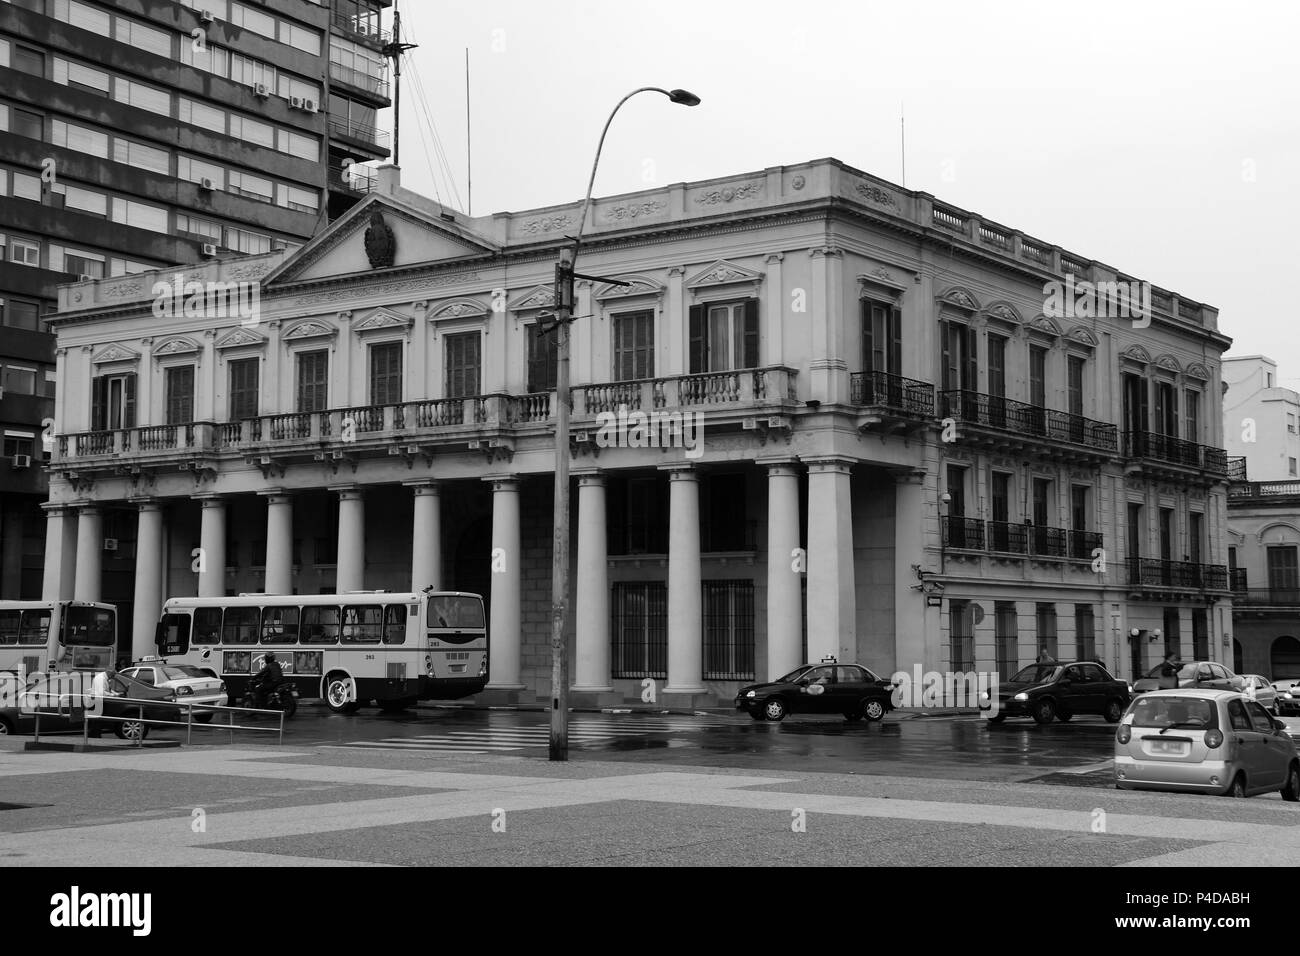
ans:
(88, 627)
(455, 610)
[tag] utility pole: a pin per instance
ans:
(559, 744)
(394, 52)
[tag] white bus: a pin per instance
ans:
(392, 648)
(56, 635)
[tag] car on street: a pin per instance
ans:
(1204, 740)
(1059, 691)
(1288, 696)
(191, 684)
(848, 689)
(1258, 687)
(1204, 674)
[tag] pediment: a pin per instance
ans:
(176, 346)
(458, 309)
(1137, 353)
(1169, 362)
(417, 237)
(1004, 311)
(638, 285)
(723, 272)
(1083, 335)
(1041, 323)
(961, 298)
(310, 329)
(115, 353)
(1197, 370)
(538, 297)
(240, 337)
(381, 319)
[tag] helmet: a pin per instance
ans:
(270, 656)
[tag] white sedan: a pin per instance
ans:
(1260, 689)
(190, 684)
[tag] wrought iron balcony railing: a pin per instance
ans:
(1266, 597)
(891, 392)
(1041, 541)
(1154, 572)
(1237, 469)
(1153, 446)
(353, 130)
(963, 533)
(1237, 579)
(1003, 414)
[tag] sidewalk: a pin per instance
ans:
(900, 713)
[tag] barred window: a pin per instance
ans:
(1007, 639)
(1046, 617)
(1085, 637)
(961, 635)
(728, 630)
(640, 630)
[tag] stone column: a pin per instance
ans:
(592, 606)
(212, 547)
(352, 540)
(148, 578)
(426, 536)
(910, 609)
(785, 568)
(90, 545)
(685, 606)
(831, 592)
(505, 623)
(279, 542)
(56, 585)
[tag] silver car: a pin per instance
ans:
(1258, 688)
(1204, 741)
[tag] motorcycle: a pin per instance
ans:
(282, 695)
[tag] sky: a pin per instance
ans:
(1161, 138)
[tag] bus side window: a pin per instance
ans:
(395, 624)
(207, 625)
(9, 627)
(35, 627)
(280, 625)
(320, 625)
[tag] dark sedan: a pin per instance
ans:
(848, 689)
(121, 699)
(1206, 675)
(1058, 691)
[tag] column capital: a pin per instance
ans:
(86, 508)
(146, 503)
(274, 493)
(210, 501)
(776, 466)
(503, 482)
(824, 463)
(679, 471)
(56, 507)
(424, 486)
(347, 492)
(589, 476)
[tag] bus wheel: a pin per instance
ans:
(338, 694)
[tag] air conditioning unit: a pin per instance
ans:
(309, 105)
(84, 277)
(205, 16)
(259, 89)
(209, 249)
(22, 461)
(207, 184)
(110, 544)
(295, 102)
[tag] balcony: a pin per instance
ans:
(1237, 580)
(721, 396)
(1040, 541)
(376, 86)
(891, 401)
(347, 129)
(1155, 452)
(1236, 469)
(1246, 492)
(1264, 597)
(1150, 574)
(362, 28)
(963, 534)
(1000, 422)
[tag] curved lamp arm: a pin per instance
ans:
(682, 97)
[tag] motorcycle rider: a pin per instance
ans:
(266, 678)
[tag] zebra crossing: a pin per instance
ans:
(504, 738)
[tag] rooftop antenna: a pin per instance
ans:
(902, 143)
(469, 153)
(394, 52)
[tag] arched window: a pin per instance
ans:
(1285, 658)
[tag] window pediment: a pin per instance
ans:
(458, 309)
(724, 273)
(639, 287)
(382, 319)
(237, 338)
(310, 330)
(115, 353)
(176, 346)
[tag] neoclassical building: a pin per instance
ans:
(903, 459)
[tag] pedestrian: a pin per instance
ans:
(1169, 671)
(1045, 656)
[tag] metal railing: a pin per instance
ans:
(1178, 451)
(88, 717)
(1264, 489)
(377, 85)
(369, 134)
(893, 392)
(1264, 597)
(1237, 469)
(963, 533)
(1155, 572)
(1004, 414)
(1237, 580)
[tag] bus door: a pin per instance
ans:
(172, 636)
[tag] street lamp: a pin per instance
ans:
(564, 276)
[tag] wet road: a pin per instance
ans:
(953, 747)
